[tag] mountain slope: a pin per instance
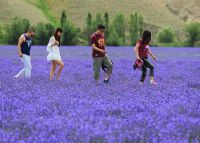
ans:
(183, 8)
(20, 8)
(156, 13)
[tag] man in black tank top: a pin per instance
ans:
(24, 48)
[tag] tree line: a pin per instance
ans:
(117, 32)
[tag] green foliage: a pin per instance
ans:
(193, 34)
(114, 39)
(106, 20)
(70, 34)
(98, 20)
(15, 29)
(91, 25)
(135, 27)
(89, 29)
(63, 18)
(89, 20)
(43, 33)
(166, 35)
(114, 33)
(1, 35)
(119, 26)
(141, 25)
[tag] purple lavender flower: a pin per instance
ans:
(75, 110)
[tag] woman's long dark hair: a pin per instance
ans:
(146, 38)
(56, 34)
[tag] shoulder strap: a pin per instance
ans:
(24, 37)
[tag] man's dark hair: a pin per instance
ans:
(31, 29)
(101, 26)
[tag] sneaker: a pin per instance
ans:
(106, 81)
(141, 83)
(153, 82)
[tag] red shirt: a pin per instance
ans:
(99, 41)
(143, 49)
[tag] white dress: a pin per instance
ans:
(53, 51)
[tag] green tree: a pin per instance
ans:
(136, 24)
(98, 20)
(106, 19)
(63, 18)
(141, 25)
(43, 33)
(1, 35)
(70, 34)
(15, 29)
(166, 35)
(89, 20)
(90, 26)
(89, 29)
(119, 26)
(114, 39)
(193, 34)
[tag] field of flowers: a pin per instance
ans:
(76, 110)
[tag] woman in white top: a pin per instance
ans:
(54, 53)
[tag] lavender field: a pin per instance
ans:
(75, 110)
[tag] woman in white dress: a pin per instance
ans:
(54, 53)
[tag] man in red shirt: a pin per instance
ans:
(99, 54)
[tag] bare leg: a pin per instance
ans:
(61, 65)
(53, 68)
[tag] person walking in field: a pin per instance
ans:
(142, 50)
(24, 48)
(100, 58)
(54, 53)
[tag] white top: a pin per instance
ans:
(54, 52)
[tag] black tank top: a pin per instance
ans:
(26, 45)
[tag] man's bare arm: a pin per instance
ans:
(97, 49)
(21, 39)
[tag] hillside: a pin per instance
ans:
(20, 8)
(183, 8)
(156, 13)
